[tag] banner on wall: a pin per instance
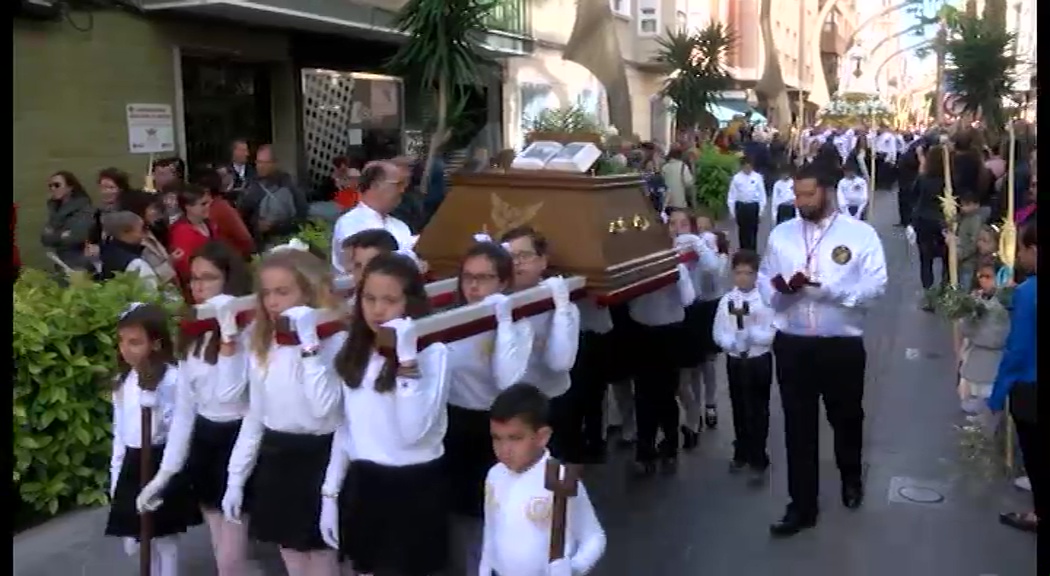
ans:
(151, 128)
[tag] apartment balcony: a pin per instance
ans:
(832, 40)
(510, 33)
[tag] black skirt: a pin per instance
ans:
(691, 350)
(178, 512)
(286, 507)
(706, 310)
(209, 458)
(468, 457)
(395, 519)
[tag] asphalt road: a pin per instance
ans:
(705, 522)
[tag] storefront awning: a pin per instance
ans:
(340, 17)
(723, 114)
(726, 110)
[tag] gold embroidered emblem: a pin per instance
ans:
(841, 255)
(506, 216)
(538, 510)
(487, 346)
(490, 497)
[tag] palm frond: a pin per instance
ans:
(695, 68)
(444, 40)
(981, 62)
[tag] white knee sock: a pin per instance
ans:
(165, 560)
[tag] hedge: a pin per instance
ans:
(64, 350)
(714, 170)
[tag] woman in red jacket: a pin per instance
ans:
(229, 226)
(191, 231)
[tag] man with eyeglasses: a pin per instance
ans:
(380, 188)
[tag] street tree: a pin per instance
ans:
(695, 65)
(981, 61)
(443, 54)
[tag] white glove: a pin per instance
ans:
(149, 499)
(232, 501)
(482, 238)
(329, 525)
(227, 318)
(147, 398)
(742, 343)
(503, 306)
(407, 339)
(687, 242)
(909, 233)
(561, 567)
(131, 546)
(559, 291)
(304, 320)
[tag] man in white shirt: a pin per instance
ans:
(825, 270)
(380, 187)
(746, 202)
(886, 151)
(852, 191)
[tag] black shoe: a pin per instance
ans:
(643, 469)
(852, 494)
(669, 466)
(736, 466)
(792, 523)
(690, 439)
(711, 416)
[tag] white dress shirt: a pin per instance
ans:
(400, 427)
(556, 339)
(288, 393)
(127, 415)
(714, 279)
(844, 143)
(886, 143)
(484, 365)
(666, 305)
(594, 318)
(516, 535)
(845, 255)
(746, 189)
(783, 193)
(700, 270)
(218, 392)
(758, 323)
(363, 217)
(852, 192)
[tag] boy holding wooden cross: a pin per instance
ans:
(539, 520)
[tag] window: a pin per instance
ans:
(621, 7)
(681, 21)
(648, 17)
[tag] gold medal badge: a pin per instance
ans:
(841, 255)
(538, 510)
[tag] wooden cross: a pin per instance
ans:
(562, 489)
(149, 378)
(740, 312)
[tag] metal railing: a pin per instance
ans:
(511, 16)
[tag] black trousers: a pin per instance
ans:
(885, 173)
(655, 392)
(810, 368)
(747, 214)
(565, 437)
(931, 247)
(749, 382)
(905, 200)
(585, 434)
(1032, 450)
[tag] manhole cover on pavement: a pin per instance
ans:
(921, 495)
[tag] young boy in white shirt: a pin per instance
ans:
(744, 329)
(783, 199)
(518, 507)
(852, 191)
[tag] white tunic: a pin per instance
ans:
(218, 392)
(759, 323)
(666, 305)
(783, 193)
(594, 318)
(127, 415)
(516, 540)
(852, 192)
(845, 255)
(556, 339)
(484, 365)
(363, 217)
(746, 189)
(288, 393)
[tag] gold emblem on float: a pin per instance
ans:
(538, 510)
(841, 255)
(506, 216)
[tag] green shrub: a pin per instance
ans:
(318, 234)
(64, 349)
(714, 169)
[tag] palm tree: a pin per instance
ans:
(982, 60)
(443, 54)
(771, 87)
(696, 71)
